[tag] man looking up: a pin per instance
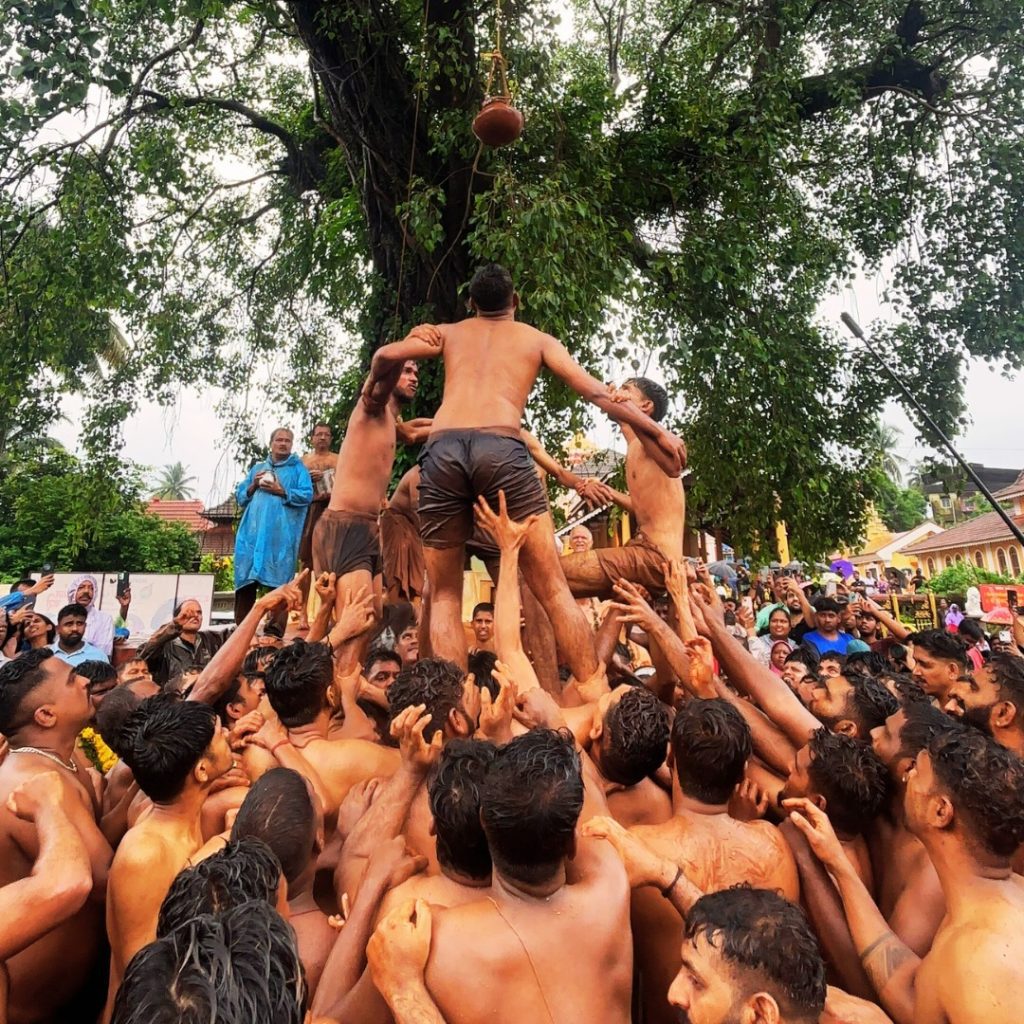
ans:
(483, 627)
(44, 705)
(99, 627)
(71, 645)
(475, 448)
(346, 539)
(992, 698)
(273, 498)
(655, 499)
(176, 750)
(965, 802)
(320, 463)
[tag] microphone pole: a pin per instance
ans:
(855, 329)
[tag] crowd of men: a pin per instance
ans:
(616, 796)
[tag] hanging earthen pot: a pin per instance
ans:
(498, 122)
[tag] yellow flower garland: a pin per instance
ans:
(96, 750)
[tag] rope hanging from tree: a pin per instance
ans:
(498, 123)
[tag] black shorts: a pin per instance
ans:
(456, 466)
(344, 542)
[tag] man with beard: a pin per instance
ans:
(346, 539)
(940, 659)
(99, 627)
(992, 698)
(965, 802)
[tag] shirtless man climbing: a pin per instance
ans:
(655, 498)
(475, 448)
(345, 540)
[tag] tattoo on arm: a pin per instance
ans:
(884, 957)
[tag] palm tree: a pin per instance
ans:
(884, 439)
(173, 484)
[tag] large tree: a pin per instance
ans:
(694, 177)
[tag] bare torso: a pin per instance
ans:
(49, 972)
(659, 503)
(363, 467)
(646, 803)
(314, 935)
(551, 960)
(318, 464)
(343, 763)
(715, 852)
(490, 366)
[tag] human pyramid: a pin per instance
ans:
(330, 830)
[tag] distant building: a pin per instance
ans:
(214, 532)
(882, 549)
(953, 495)
(220, 535)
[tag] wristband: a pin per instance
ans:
(279, 743)
(668, 888)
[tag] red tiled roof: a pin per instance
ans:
(1015, 490)
(983, 530)
(188, 513)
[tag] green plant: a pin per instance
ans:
(223, 569)
(957, 578)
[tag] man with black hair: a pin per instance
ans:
(940, 659)
(102, 678)
(482, 624)
(240, 699)
(240, 966)
(748, 954)
(475, 448)
(345, 540)
(71, 645)
(852, 705)
(655, 499)
(552, 938)
(711, 745)
(826, 635)
(176, 750)
(282, 810)
(297, 684)
(965, 802)
(44, 705)
(992, 698)
(628, 741)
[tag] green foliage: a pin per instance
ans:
(53, 510)
(173, 484)
(290, 185)
(957, 578)
(900, 508)
(223, 569)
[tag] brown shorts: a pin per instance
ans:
(402, 552)
(638, 561)
(457, 466)
(316, 510)
(344, 542)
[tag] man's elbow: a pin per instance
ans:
(73, 889)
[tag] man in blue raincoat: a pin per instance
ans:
(275, 496)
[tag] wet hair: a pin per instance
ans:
(483, 606)
(279, 810)
(122, 669)
(833, 656)
(297, 681)
(850, 776)
(654, 393)
(827, 604)
(863, 663)
(163, 739)
(761, 934)
(98, 673)
(398, 616)
(922, 722)
(237, 968)
(635, 737)
(481, 665)
(431, 681)
(18, 678)
(805, 656)
(111, 716)
(710, 747)
(971, 629)
(908, 690)
(381, 653)
(454, 794)
(251, 662)
(491, 288)
(243, 871)
(869, 703)
(530, 802)
(1007, 673)
(941, 644)
(72, 609)
(986, 784)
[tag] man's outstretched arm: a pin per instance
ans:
(423, 342)
(667, 450)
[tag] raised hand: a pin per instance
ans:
(358, 800)
(749, 802)
(391, 864)
(426, 332)
(508, 534)
(326, 588)
(702, 667)
(356, 618)
(44, 790)
(42, 584)
(674, 447)
(496, 714)
(632, 606)
(813, 822)
(243, 729)
(287, 594)
(407, 727)
(536, 709)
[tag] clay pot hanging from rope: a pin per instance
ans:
(498, 123)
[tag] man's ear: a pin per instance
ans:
(457, 723)
(846, 727)
(201, 772)
(819, 801)
(761, 1008)
(44, 716)
(1003, 715)
(235, 710)
(515, 300)
(940, 812)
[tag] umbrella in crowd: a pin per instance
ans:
(843, 567)
(723, 570)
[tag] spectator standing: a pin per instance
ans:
(99, 626)
(274, 496)
(320, 462)
(71, 644)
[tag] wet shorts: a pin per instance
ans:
(593, 573)
(456, 466)
(344, 542)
